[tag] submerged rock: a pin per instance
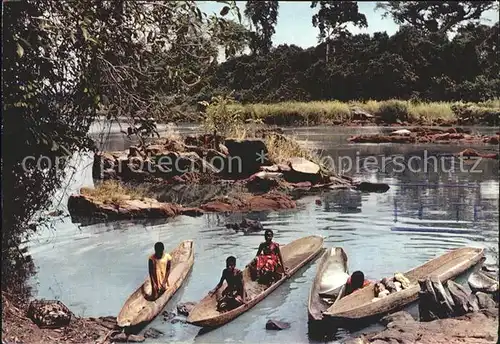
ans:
(277, 325)
(185, 307)
(372, 187)
(246, 226)
(153, 333)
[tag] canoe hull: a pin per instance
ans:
(332, 265)
(137, 310)
(359, 306)
(295, 254)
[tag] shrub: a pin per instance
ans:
(393, 111)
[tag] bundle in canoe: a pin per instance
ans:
(359, 305)
(295, 255)
(137, 309)
(331, 275)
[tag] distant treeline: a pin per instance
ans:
(406, 65)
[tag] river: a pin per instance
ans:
(426, 212)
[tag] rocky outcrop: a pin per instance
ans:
(86, 206)
(125, 208)
(426, 135)
(473, 328)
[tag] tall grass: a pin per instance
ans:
(113, 192)
(328, 112)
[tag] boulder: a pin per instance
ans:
(102, 162)
(245, 157)
(302, 170)
(485, 301)
(49, 313)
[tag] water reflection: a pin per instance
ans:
(94, 269)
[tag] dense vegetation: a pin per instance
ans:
(411, 64)
(65, 64)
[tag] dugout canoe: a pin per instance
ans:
(331, 274)
(296, 254)
(359, 306)
(137, 310)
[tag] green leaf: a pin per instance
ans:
(20, 50)
(224, 11)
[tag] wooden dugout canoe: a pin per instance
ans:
(359, 305)
(137, 309)
(295, 255)
(332, 273)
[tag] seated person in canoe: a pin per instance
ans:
(159, 270)
(268, 265)
(355, 282)
(234, 294)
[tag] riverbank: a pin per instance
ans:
(473, 328)
(389, 112)
(18, 328)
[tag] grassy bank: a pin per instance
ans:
(336, 112)
(114, 192)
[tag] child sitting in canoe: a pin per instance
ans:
(268, 265)
(159, 270)
(234, 294)
(355, 282)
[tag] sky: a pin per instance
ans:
(295, 26)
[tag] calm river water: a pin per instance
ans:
(93, 269)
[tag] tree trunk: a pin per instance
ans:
(327, 50)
